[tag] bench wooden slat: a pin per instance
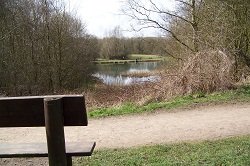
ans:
(29, 111)
(11, 150)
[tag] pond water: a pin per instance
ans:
(115, 74)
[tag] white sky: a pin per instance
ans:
(101, 16)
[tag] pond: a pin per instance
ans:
(119, 74)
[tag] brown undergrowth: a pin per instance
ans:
(204, 72)
(104, 95)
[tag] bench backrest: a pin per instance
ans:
(29, 111)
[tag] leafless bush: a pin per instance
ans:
(205, 71)
(208, 71)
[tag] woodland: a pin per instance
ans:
(44, 49)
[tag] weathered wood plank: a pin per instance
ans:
(29, 111)
(55, 131)
(11, 150)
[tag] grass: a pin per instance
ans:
(113, 61)
(231, 151)
(126, 61)
(131, 58)
(144, 56)
(242, 94)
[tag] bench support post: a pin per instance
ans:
(55, 132)
(69, 161)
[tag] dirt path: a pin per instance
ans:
(210, 122)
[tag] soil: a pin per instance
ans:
(203, 123)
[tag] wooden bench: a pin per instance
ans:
(53, 112)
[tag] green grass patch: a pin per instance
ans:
(131, 58)
(113, 61)
(126, 61)
(144, 56)
(231, 151)
(242, 94)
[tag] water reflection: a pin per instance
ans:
(112, 74)
(123, 80)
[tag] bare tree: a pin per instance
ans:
(149, 14)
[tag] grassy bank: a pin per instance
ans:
(126, 61)
(133, 58)
(231, 151)
(144, 56)
(242, 95)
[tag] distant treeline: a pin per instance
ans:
(120, 48)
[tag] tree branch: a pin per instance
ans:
(142, 15)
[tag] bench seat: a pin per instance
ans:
(11, 150)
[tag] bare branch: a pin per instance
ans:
(181, 1)
(168, 13)
(141, 14)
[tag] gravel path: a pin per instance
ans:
(204, 123)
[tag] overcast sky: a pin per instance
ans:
(101, 16)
